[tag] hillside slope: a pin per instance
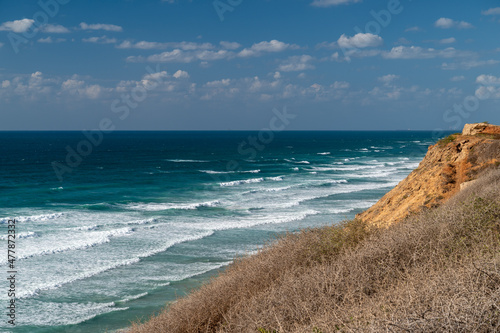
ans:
(437, 270)
(447, 167)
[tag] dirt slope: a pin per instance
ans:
(447, 166)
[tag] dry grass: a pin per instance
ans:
(436, 271)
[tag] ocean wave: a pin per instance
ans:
(131, 298)
(167, 206)
(211, 172)
(34, 218)
(325, 153)
(62, 313)
(28, 234)
(30, 291)
(79, 242)
(253, 221)
(250, 181)
(187, 161)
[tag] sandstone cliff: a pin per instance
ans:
(446, 169)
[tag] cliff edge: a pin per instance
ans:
(449, 166)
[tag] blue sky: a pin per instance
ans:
(225, 64)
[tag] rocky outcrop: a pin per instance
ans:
(447, 165)
(480, 128)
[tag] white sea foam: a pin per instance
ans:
(250, 181)
(212, 172)
(131, 298)
(61, 313)
(187, 161)
(325, 153)
(248, 222)
(166, 206)
(34, 288)
(35, 218)
(53, 244)
(21, 235)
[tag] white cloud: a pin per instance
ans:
(488, 92)
(181, 75)
(387, 79)
(447, 23)
(144, 45)
(49, 40)
(450, 40)
(100, 40)
(297, 63)
(230, 45)
(100, 26)
(468, 64)
(488, 80)
(178, 55)
(1, 44)
(5, 84)
(490, 87)
(491, 11)
(219, 83)
(417, 52)
(55, 29)
(413, 29)
(457, 78)
(18, 26)
(77, 87)
(359, 40)
(271, 46)
(329, 3)
(327, 45)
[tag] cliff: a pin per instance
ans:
(449, 166)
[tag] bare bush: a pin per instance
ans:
(436, 271)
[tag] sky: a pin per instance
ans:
(233, 64)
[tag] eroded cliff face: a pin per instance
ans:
(446, 168)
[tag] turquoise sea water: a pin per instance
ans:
(148, 215)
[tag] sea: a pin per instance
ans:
(110, 228)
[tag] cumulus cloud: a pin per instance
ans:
(49, 40)
(100, 26)
(181, 75)
(488, 80)
(447, 23)
(144, 45)
(18, 26)
(387, 79)
(178, 55)
(230, 45)
(491, 11)
(78, 87)
(417, 52)
(468, 64)
(490, 87)
(263, 47)
(360, 40)
(457, 78)
(450, 40)
(99, 40)
(330, 3)
(297, 63)
(55, 29)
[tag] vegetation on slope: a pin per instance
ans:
(438, 270)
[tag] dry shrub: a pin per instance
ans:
(436, 271)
